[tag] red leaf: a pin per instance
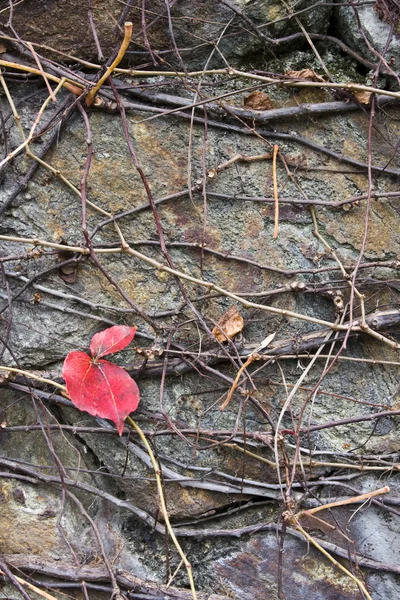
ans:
(111, 340)
(99, 387)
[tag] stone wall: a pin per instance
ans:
(268, 180)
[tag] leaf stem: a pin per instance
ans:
(164, 506)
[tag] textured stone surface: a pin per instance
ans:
(38, 520)
(41, 335)
(252, 573)
(364, 29)
(64, 26)
(224, 486)
(197, 27)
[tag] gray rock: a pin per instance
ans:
(368, 33)
(241, 29)
(225, 480)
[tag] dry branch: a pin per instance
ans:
(70, 572)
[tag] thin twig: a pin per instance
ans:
(121, 53)
(276, 199)
(337, 564)
(164, 506)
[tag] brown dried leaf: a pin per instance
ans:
(230, 323)
(363, 97)
(2, 49)
(307, 74)
(258, 101)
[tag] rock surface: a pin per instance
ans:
(372, 30)
(71, 490)
(210, 32)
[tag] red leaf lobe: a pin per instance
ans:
(100, 388)
(111, 340)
